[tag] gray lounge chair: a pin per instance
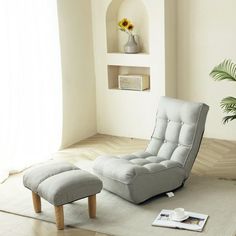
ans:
(167, 161)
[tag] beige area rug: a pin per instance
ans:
(115, 216)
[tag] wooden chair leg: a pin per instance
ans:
(59, 217)
(36, 202)
(92, 206)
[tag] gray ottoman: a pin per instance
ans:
(62, 183)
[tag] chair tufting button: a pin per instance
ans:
(165, 141)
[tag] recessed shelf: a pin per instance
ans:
(134, 10)
(115, 71)
(121, 59)
(132, 91)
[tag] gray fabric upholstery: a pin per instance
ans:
(61, 183)
(168, 159)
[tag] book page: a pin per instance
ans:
(195, 221)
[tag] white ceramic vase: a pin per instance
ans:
(131, 46)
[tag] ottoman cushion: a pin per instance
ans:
(61, 183)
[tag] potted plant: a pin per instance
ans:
(127, 26)
(226, 71)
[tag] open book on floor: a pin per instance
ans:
(195, 221)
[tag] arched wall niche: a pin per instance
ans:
(134, 10)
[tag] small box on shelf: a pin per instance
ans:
(133, 82)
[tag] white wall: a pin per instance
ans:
(79, 104)
(171, 47)
(206, 36)
(122, 112)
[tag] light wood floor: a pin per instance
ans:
(216, 158)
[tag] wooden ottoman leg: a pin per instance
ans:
(59, 217)
(36, 202)
(92, 206)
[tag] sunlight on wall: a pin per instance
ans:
(30, 83)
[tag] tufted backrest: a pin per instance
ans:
(178, 131)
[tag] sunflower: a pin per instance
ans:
(130, 27)
(124, 23)
(126, 26)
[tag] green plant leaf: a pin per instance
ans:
(226, 119)
(224, 71)
(228, 104)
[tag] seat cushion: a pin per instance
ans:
(61, 183)
(138, 177)
(38, 174)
